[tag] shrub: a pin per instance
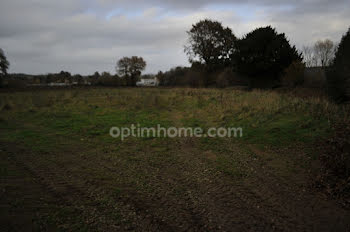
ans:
(228, 77)
(195, 78)
(294, 75)
(315, 77)
(223, 79)
(338, 75)
(109, 81)
(16, 83)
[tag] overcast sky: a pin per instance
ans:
(84, 36)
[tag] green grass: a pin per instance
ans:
(266, 117)
(57, 120)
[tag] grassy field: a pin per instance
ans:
(61, 170)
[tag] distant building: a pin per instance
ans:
(58, 84)
(148, 82)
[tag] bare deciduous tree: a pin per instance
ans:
(309, 56)
(324, 52)
(321, 54)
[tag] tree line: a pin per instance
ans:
(261, 58)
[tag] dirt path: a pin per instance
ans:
(182, 192)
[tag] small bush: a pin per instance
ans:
(16, 84)
(229, 78)
(175, 77)
(109, 81)
(223, 79)
(294, 75)
(315, 78)
(194, 78)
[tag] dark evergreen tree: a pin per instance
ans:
(4, 65)
(264, 54)
(338, 74)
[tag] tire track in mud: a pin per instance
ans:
(212, 204)
(310, 211)
(315, 212)
(306, 206)
(54, 179)
(223, 207)
(188, 211)
(159, 205)
(271, 201)
(252, 211)
(208, 200)
(229, 205)
(65, 194)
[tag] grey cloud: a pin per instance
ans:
(196, 4)
(41, 36)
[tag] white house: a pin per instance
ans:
(148, 82)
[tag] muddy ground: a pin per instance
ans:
(79, 190)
